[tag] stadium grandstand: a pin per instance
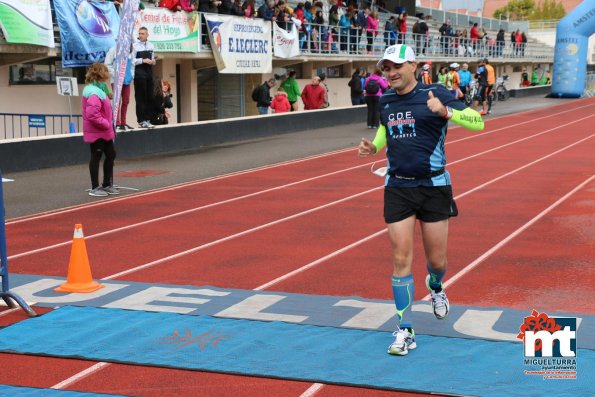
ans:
(201, 91)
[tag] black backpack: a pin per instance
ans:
(415, 28)
(372, 87)
(256, 93)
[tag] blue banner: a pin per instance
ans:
(88, 29)
(123, 50)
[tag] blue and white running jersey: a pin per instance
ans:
(415, 135)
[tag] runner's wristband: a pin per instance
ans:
(448, 114)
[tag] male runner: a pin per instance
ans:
(481, 77)
(414, 119)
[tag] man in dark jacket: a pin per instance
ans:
(445, 35)
(357, 91)
(500, 43)
(263, 96)
(420, 38)
(143, 77)
(265, 11)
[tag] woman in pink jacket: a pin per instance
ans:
(371, 29)
(374, 87)
(98, 129)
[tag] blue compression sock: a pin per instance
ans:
(435, 278)
(403, 293)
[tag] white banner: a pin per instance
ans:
(240, 45)
(27, 22)
(286, 44)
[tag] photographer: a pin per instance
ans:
(161, 102)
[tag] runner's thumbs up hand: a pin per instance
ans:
(435, 105)
(366, 148)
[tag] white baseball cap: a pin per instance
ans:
(398, 53)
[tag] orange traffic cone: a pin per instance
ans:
(79, 271)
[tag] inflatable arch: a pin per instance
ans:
(570, 54)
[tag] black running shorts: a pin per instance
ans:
(427, 203)
(481, 93)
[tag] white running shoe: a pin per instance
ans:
(146, 124)
(97, 192)
(110, 190)
(440, 303)
(404, 341)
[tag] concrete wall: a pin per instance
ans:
(542, 90)
(47, 152)
(44, 99)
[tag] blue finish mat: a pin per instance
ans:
(288, 351)
(18, 391)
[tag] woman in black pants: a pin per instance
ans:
(98, 129)
(374, 86)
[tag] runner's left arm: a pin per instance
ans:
(455, 111)
(467, 118)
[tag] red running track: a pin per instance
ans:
(524, 188)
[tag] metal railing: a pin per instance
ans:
(334, 41)
(590, 85)
(468, 20)
(543, 25)
(17, 125)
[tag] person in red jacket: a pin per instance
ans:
(280, 103)
(177, 5)
(314, 94)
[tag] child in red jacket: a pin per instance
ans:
(280, 103)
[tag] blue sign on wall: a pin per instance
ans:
(36, 121)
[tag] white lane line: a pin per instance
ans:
(511, 236)
(525, 166)
(319, 261)
(380, 232)
(312, 390)
(8, 311)
(517, 141)
(81, 375)
(190, 210)
(233, 236)
(508, 127)
(174, 187)
(239, 234)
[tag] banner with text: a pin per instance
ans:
(123, 51)
(240, 45)
(87, 30)
(286, 44)
(170, 31)
(27, 22)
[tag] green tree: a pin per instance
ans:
(518, 10)
(523, 10)
(548, 10)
